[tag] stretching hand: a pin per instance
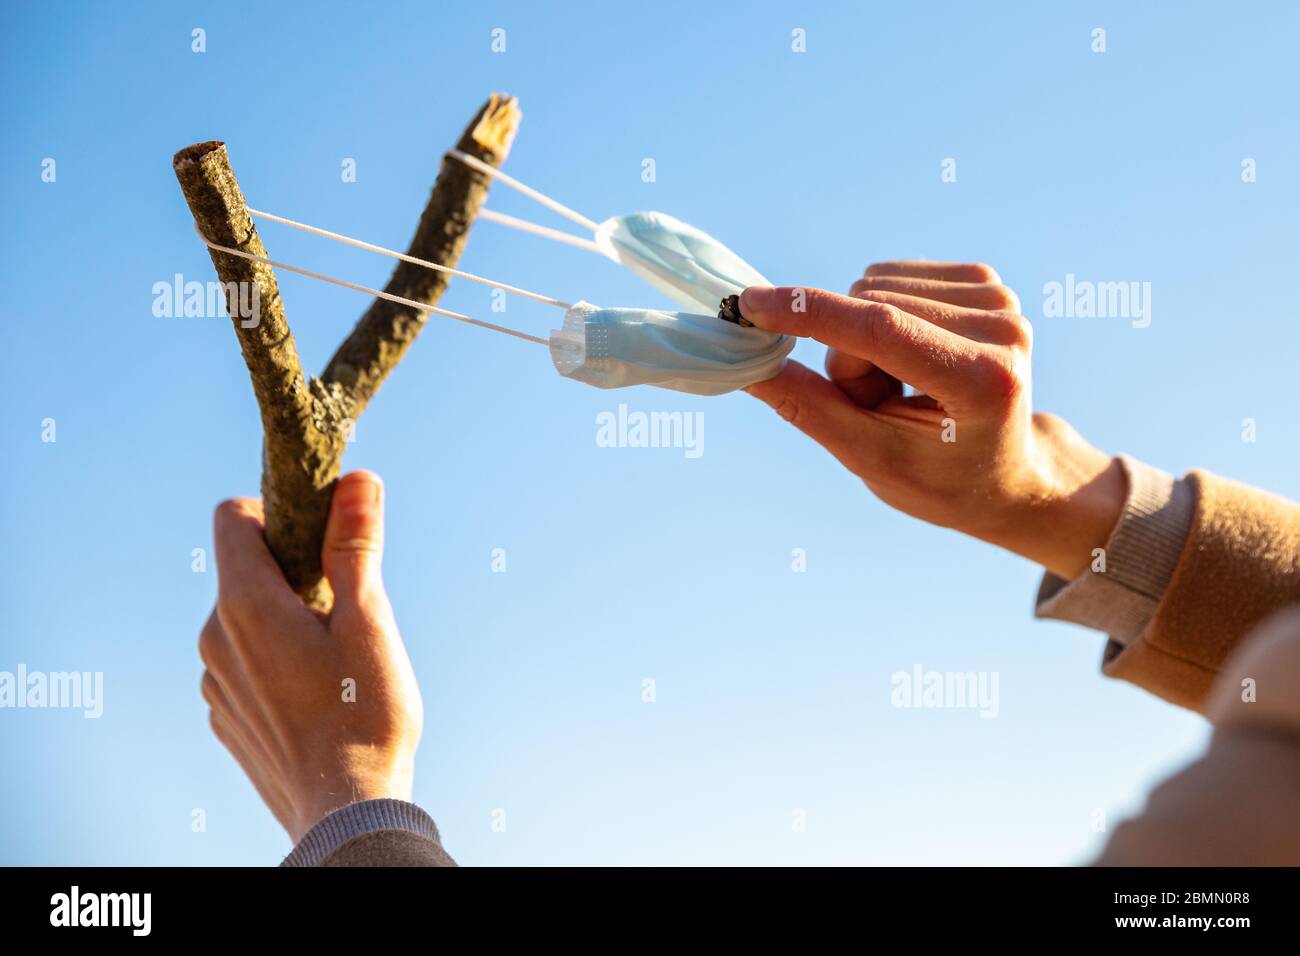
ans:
(319, 711)
(967, 451)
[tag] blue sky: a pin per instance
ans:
(773, 687)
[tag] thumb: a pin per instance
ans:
(354, 537)
(819, 409)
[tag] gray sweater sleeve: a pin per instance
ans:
(372, 833)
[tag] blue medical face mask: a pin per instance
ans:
(699, 354)
(693, 351)
(687, 265)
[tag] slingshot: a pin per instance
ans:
(705, 350)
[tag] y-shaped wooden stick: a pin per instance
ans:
(305, 421)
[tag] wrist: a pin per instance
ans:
(330, 792)
(1070, 499)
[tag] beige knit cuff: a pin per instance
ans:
(1140, 557)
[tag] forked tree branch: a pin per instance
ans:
(305, 421)
(387, 329)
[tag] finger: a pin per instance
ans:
(354, 539)
(214, 649)
(976, 295)
(819, 410)
(865, 384)
(245, 567)
(223, 697)
(946, 271)
(236, 738)
(225, 686)
(215, 696)
(994, 327)
(912, 350)
(262, 778)
(843, 367)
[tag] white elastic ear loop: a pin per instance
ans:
(337, 237)
(554, 205)
(523, 225)
(420, 306)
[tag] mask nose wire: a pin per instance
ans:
(379, 293)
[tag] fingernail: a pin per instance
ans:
(358, 493)
(756, 301)
(757, 297)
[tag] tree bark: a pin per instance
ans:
(305, 421)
